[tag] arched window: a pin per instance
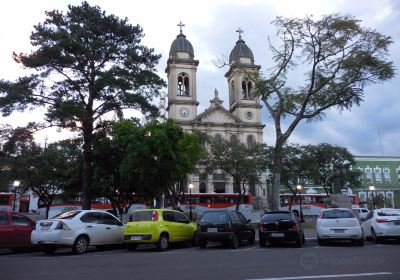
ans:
(250, 142)
(202, 188)
(217, 138)
(246, 89)
(183, 84)
(232, 99)
(234, 138)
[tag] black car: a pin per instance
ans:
(228, 227)
(280, 226)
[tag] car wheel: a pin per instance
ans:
(80, 245)
(375, 238)
(252, 238)
(131, 246)
(234, 241)
(49, 250)
(202, 243)
(262, 242)
(163, 242)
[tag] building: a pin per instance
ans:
(240, 120)
(383, 173)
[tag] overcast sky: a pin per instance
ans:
(210, 25)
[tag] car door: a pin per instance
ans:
(245, 228)
(366, 225)
(184, 227)
(94, 227)
(114, 230)
(172, 226)
(6, 231)
(22, 228)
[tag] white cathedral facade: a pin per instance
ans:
(241, 120)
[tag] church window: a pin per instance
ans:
(232, 92)
(202, 188)
(183, 84)
(217, 138)
(234, 138)
(246, 89)
(378, 177)
(386, 175)
(368, 174)
(250, 142)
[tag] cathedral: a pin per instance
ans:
(241, 120)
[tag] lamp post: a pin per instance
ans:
(16, 185)
(299, 187)
(372, 189)
(190, 201)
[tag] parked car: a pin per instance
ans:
(362, 212)
(158, 226)
(382, 224)
(15, 230)
(280, 226)
(228, 227)
(78, 229)
(338, 224)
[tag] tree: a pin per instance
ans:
(243, 164)
(89, 66)
(339, 59)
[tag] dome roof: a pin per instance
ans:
(240, 50)
(181, 44)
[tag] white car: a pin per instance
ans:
(382, 224)
(78, 229)
(362, 212)
(338, 224)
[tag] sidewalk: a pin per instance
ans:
(310, 234)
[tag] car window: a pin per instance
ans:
(108, 219)
(66, 215)
(235, 218)
(3, 219)
(214, 217)
(273, 217)
(369, 215)
(91, 217)
(180, 218)
(365, 211)
(242, 217)
(19, 220)
(337, 214)
(388, 213)
(168, 216)
(141, 216)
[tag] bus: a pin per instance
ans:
(14, 201)
(311, 204)
(215, 201)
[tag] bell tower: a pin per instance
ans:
(181, 71)
(242, 102)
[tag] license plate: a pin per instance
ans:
(338, 230)
(212, 230)
(136, 237)
(277, 234)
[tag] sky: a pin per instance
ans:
(372, 129)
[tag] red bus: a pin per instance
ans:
(214, 201)
(311, 204)
(12, 201)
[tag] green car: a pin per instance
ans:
(158, 226)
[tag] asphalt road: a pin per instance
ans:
(337, 261)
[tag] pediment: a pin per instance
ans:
(218, 116)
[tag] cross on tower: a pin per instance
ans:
(180, 24)
(240, 31)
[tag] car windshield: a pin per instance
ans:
(214, 217)
(141, 216)
(337, 214)
(389, 213)
(66, 215)
(273, 217)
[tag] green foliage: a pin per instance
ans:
(89, 66)
(336, 56)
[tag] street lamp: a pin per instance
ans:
(190, 201)
(299, 187)
(16, 185)
(372, 189)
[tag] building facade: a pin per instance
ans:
(240, 120)
(383, 173)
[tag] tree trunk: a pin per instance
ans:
(87, 165)
(276, 175)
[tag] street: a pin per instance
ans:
(336, 261)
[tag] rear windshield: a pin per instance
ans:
(388, 213)
(66, 215)
(337, 214)
(141, 216)
(273, 217)
(214, 217)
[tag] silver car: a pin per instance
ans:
(382, 224)
(339, 224)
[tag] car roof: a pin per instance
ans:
(278, 212)
(333, 209)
